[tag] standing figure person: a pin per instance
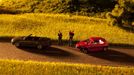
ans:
(59, 38)
(71, 34)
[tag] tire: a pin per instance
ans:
(84, 50)
(105, 48)
(17, 44)
(39, 46)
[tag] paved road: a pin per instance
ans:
(113, 57)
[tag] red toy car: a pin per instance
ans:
(93, 44)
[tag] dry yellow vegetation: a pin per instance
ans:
(16, 67)
(49, 24)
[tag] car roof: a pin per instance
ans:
(96, 38)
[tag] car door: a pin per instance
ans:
(101, 44)
(28, 42)
(94, 46)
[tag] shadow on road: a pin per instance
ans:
(51, 51)
(125, 46)
(5, 39)
(114, 56)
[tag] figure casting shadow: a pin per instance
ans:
(50, 51)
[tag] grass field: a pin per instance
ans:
(55, 6)
(15, 67)
(49, 25)
(35, 6)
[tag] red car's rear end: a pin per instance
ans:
(93, 44)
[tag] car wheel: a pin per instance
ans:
(17, 44)
(105, 48)
(84, 50)
(39, 46)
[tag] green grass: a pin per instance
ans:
(49, 25)
(16, 67)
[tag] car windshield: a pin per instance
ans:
(28, 37)
(96, 41)
(99, 41)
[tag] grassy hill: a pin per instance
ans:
(26, 6)
(49, 25)
(79, 7)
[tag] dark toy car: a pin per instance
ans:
(31, 41)
(93, 44)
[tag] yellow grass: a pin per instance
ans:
(15, 67)
(49, 25)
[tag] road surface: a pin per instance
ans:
(113, 57)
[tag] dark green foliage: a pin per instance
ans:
(123, 13)
(98, 5)
(80, 7)
(45, 6)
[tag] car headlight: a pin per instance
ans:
(12, 41)
(76, 46)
